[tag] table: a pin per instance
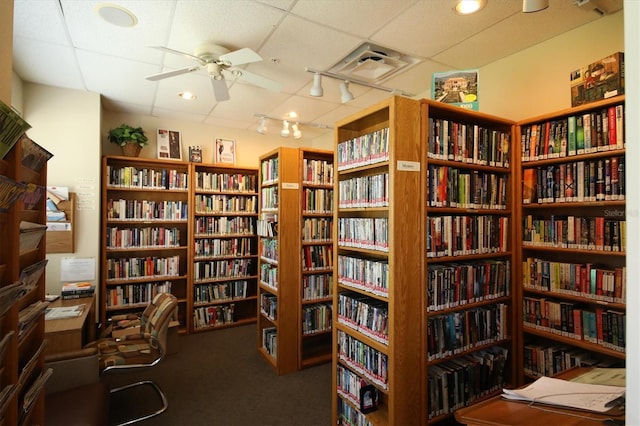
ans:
(501, 412)
(70, 334)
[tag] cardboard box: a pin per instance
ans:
(600, 80)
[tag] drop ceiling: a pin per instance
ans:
(64, 43)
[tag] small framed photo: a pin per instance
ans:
(169, 145)
(195, 154)
(368, 398)
(225, 151)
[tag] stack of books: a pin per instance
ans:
(77, 290)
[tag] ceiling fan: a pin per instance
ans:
(219, 61)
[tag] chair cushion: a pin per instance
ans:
(126, 352)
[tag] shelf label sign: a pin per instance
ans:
(290, 185)
(408, 166)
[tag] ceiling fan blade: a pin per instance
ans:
(177, 52)
(259, 80)
(239, 57)
(173, 73)
(220, 89)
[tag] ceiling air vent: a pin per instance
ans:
(373, 63)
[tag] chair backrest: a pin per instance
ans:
(156, 317)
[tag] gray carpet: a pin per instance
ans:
(218, 378)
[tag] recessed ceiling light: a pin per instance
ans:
(187, 96)
(467, 7)
(116, 15)
(292, 114)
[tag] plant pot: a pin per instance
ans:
(131, 150)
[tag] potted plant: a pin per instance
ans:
(131, 139)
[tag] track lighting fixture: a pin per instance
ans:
(288, 128)
(262, 127)
(285, 129)
(345, 94)
(316, 89)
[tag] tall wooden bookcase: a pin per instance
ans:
(279, 251)
(471, 268)
(145, 234)
(379, 261)
(573, 238)
(316, 266)
(22, 354)
(225, 262)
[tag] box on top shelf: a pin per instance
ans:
(600, 80)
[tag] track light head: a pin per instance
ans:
(262, 127)
(316, 89)
(297, 134)
(346, 95)
(285, 129)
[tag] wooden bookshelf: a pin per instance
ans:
(572, 239)
(225, 259)
(387, 137)
(22, 360)
(145, 230)
(279, 241)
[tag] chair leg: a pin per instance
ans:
(165, 403)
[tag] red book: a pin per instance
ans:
(599, 233)
(613, 139)
(577, 323)
(599, 328)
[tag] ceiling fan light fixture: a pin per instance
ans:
(116, 15)
(297, 134)
(262, 127)
(346, 95)
(188, 96)
(467, 7)
(285, 129)
(316, 89)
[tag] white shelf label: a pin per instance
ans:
(290, 185)
(408, 166)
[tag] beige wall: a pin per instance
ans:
(6, 47)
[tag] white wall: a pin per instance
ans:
(67, 123)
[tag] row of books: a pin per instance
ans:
(269, 170)
(213, 316)
(368, 362)
(455, 284)
(469, 189)
(576, 279)
(269, 250)
(367, 315)
(316, 318)
(349, 415)
(146, 178)
(269, 306)
(227, 182)
(457, 383)
(145, 210)
(135, 294)
(317, 172)
(364, 232)
(362, 150)
(218, 247)
(317, 200)
(142, 267)
(317, 229)
(227, 268)
(156, 236)
(270, 341)
(599, 326)
(594, 131)
(269, 198)
(350, 386)
(77, 290)
(316, 286)
(468, 143)
(267, 227)
(364, 274)
(461, 331)
(269, 275)
(317, 258)
(595, 180)
(586, 233)
(225, 203)
(364, 191)
(465, 235)
(219, 292)
(221, 226)
(550, 359)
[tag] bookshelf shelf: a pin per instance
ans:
(573, 238)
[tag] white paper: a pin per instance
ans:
(547, 390)
(63, 312)
(77, 269)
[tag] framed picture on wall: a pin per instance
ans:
(169, 145)
(225, 151)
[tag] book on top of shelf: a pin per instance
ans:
(10, 191)
(12, 126)
(33, 155)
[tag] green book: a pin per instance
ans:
(571, 135)
(580, 135)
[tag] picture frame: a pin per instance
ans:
(169, 143)
(195, 154)
(459, 88)
(368, 398)
(225, 151)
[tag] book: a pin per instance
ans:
(33, 155)
(32, 196)
(12, 126)
(195, 154)
(10, 192)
